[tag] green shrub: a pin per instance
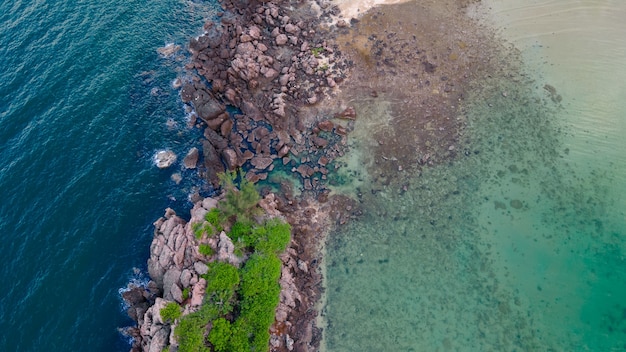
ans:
(239, 203)
(198, 231)
(273, 237)
(170, 312)
(214, 217)
(240, 229)
(190, 334)
(205, 249)
(185, 293)
(220, 333)
(222, 282)
(259, 292)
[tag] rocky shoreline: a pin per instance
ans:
(254, 83)
(176, 265)
(263, 85)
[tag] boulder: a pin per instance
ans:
(191, 159)
(200, 268)
(261, 162)
(281, 39)
(170, 279)
(164, 159)
(230, 158)
(212, 162)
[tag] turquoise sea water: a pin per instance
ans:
(520, 244)
(84, 101)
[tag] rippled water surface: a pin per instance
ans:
(84, 101)
(519, 245)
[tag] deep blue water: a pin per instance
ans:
(84, 100)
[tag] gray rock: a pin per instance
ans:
(164, 159)
(160, 339)
(200, 268)
(209, 203)
(185, 278)
(177, 293)
(171, 277)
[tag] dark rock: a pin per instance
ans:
(212, 162)
(207, 106)
(219, 142)
(215, 123)
(186, 94)
(227, 127)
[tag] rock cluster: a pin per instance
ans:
(270, 63)
(176, 267)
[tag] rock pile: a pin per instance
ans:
(176, 267)
(269, 63)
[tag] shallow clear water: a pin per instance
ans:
(519, 245)
(84, 101)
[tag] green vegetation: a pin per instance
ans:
(239, 304)
(170, 312)
(214, 218)
(240, 203)
(317, 51)
(205, 249)
(186, 293)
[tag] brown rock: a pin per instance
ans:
(326, 125)
(349, 114)
(187, 92)
(261, 162)
(319, 142)
(281, 39)
(191, 159)
(290, 28)
(226, 127)
(230, 158)
(215, 123)
(283, 151)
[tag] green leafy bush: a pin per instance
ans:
(239, 304)
(197, 229)
(170, 312)
(273, 237)
(205, 249)
(220, 333)
(214, 217)
(222, 282)
(240, 229)
(190, 334)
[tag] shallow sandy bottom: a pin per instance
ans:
(514, 238)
